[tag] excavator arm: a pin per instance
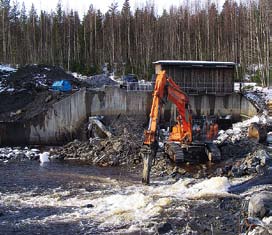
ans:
(166, 89)
(158, 96)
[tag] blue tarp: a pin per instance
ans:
(62, 85)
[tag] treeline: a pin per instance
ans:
(238, 32)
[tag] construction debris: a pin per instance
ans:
(105, 148)
(97, 129)
(99, 81)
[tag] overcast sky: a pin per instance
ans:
(82, 5)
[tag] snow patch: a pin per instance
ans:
(44, 157)
(6, 68)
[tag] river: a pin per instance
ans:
(73, 198)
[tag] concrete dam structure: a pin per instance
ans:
(60, 123)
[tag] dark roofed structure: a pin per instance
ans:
(197, 77)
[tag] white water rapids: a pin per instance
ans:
(116, 204)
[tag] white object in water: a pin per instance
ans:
(44, 157)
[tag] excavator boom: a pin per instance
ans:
(158, 95)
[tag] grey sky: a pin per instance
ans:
(83, 5)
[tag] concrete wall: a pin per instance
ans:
(61, 121)
(55, 126)
(247, 108)
(114, 101)
(234, 104)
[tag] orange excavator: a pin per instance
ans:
(180, 139)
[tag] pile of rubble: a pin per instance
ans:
(116, 151)
(254, 162)
(98, 81)
(117, 147)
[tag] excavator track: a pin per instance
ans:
(175, 152)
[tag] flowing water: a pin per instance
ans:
(72, 198)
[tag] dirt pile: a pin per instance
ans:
(37, 77)
(25, 92)
(25, 104)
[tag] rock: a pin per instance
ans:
(260, 205)
(163, 228)
(48, 98)
(181, 171)
(259, 169)
(56, 157)
(18, 112)
(260, 231)
(117, 146)
(90, 206)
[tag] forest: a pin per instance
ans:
(131, 40)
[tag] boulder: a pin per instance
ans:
(260, 205)
(163, 228)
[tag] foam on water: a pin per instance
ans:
(133, 205)
(216, 186)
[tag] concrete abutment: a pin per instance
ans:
(61, 121)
